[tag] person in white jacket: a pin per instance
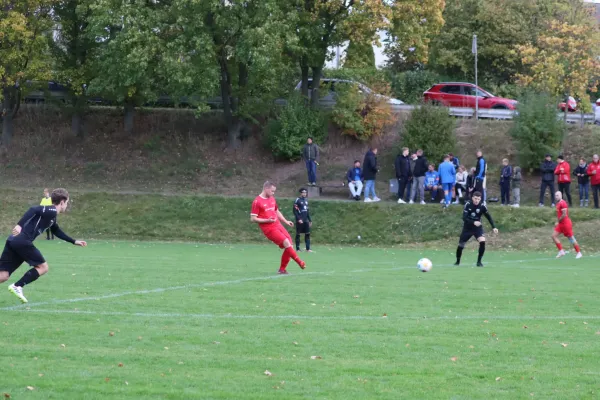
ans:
(461, 183)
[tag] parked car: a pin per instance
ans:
(460, 94)
(329, 85)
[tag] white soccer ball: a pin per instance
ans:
(424, 265)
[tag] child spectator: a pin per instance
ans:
(432, 181)
(47, 201)
(516, 187)
(505, 176)
(583, 179)
(461, 183)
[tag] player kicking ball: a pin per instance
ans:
(19, 246)
(472, 227)
(563, 226)
(267, 215)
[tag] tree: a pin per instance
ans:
(325, 23)
(248, 40)
(23, 52)
(71, 49)
(413, 25)
(564, 60)
(360, 55)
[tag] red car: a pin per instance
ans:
(460, 94)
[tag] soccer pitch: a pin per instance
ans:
(122, 320)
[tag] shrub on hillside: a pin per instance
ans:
(358, 114)
(295, 122)
(429, 128)
(409, 86)
(537, 129)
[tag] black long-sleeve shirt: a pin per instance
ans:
(301, 210)
(35, 221)
(472, 213)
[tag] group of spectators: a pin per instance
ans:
(416, 176)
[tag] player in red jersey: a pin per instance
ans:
(267, 215)
(564, 226)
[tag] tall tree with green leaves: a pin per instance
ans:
(23, 52)
(360, 55)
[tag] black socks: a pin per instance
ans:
(481, 251)
(30, 276)
(459, 251)
(307, 241)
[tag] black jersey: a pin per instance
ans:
(35, 221)
(472, 213)
(301, 209)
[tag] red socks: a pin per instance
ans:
(559, 246)
(285, 260)
(293, 255)
(577, 249)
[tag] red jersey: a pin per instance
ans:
(565, 175)
(562, 205)
(264, 208)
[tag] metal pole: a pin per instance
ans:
(476, 96)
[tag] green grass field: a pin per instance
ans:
(124, 320)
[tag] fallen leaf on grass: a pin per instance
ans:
(498, 378)
(223, 332)
(316, 357)
(215, 342)
(120, 364)
(106, 379)
(384, 316)
(471, 347)
(166, 348)
(268, 373)
(355, 296)
(296, 323)
(407, 345)
(564, 344)
(127, 383)
(486, 322)
(30, 388)
(598, 333)
(585, 323)
(139, 338)
(111, 334)
(562, 323)
(180, 363)
(524, 326)
(63, 345)
(6, 396)
(453, 359)
(295, 343)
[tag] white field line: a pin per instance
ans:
(243, 280)
(487, 318)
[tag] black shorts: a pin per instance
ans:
(16, 253)
(468, 233)
(303, 227)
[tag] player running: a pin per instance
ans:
(19, 246)
(303, 220)
(472, 226)
(564, 226)
(267, 215)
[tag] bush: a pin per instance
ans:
(537, 129)
(296, 121)
(409, 86)
(358, 114)
(430, 128)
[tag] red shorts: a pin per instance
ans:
(277, 234)
(566, 228)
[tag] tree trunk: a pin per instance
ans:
(129, 114)
(77, 116)
(7, 114)
(316, 82)
(229, 105)
(304, 69)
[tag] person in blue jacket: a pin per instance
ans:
(448, 178)
(432, 181)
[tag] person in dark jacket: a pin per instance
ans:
(370, 169)
(303, 220)
(583, 180)
(505, 176)
(471, 182)
(547, 168)
(480, 172)
(403, 173)
(418, 174)
(355, 177)
(310, 154)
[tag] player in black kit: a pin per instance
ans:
(19, 246)
(303, 220)
(472, 226)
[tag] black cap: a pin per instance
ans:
(548, 155)
(560, 157)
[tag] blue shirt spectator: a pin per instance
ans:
(432, 178)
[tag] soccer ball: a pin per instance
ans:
(424, 265)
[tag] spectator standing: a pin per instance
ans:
(432, 181)
(418, 183)
(454, 160)
(310, 153)
(448, 178)
(480, 171)
(355, 177)
(402, 167)
(505, 176)
(47, 201)
(563, 171)
(583, 180)
(516, 187)
(413, 162)
(593, 171)
(461, 183)
(547, 168)
(470, 183)
(370, 170)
